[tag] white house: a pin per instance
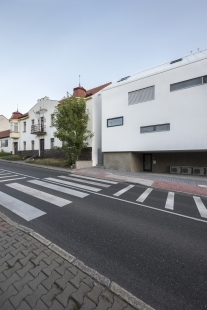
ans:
(32, 133)
(157, 118)
(5, 141)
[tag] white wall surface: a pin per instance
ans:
(184, 109)
(9, 147)
(4, 123)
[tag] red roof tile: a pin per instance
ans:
(5, 133)
(95, 90)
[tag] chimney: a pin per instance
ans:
(79, 92)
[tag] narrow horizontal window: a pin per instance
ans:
(187, 84)
(205, 79)
(141, 95)
(118, 121)
(152, 128)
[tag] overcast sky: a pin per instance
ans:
(46, 44)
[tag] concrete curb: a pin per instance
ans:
(112, 286)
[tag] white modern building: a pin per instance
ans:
(32, 133)
(157, 118)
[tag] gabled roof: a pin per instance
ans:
(5, 134)
(95, 90)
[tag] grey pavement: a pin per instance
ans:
(35, 274)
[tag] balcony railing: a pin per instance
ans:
(38, 129)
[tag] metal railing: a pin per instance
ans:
(38, 129)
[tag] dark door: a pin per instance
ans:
(147, 162)
(42, 147)
(15, 148)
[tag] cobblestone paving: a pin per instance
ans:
(34, 277)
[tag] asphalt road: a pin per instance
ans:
(155, 249)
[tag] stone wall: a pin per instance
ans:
(29, 153)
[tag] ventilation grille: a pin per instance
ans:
(142, 95)
(175, 169)
(186, 170)
(198, 170)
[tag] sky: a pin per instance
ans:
(46, 44)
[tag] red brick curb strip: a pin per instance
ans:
(111, 286)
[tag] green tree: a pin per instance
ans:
(71, 120)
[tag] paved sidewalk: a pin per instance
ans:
(36, 274)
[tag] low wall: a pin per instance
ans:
(83, 164)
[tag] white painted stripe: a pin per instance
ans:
(202, 185)
(9, 176)
(123, 190)
(144, 195)
(170, 201)
(5, 173)
(95, 179)
(201, 208)
(84, 181)
(60, 202)
(12, 179)
(19, 207)
(60, 188)
(21, 174)
(90, 188)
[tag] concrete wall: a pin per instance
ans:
(118, 161)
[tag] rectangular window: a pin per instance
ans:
(188, 83)
(32, 145)
(24, 126)
(152, 128)
(52, 119)
(4, 143)
(141, 95)
(24, 144)
(205, 79)
(32, 122)
(16, 127)
(118, 121)
(52, 143)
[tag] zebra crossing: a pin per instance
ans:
(77, 186)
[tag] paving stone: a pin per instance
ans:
(7, 244)
(5, 258)
(88, 304)
(3, 278)
(66, 293)
(15, 259)
(73, 269)
(64, 279)
(129, 308)
(23, 281)
(50, 280)
(51, 295)
(38, 258)
(18, 298)
(48, 270)
(63, 266)
(118, 304)
(35, 283)
(39, 249)
(103, 304)
(78, 278)
(7, 306)
(90, 282)
(35, 296)
(25, 269)
(41, 306)
(2, 268)
(11, 248)
(50, 257)
(21, 242)
(26, 259)
(9, 272)
(35, 271)
(24, 306)
(108, 296)
(28, 251)
(56, 306)
(4, 285)
(72, 305)
(30, 243)
(80, 293)
(95, 293)
(15, 252)
(7, 295)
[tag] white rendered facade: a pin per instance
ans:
(185, 111)
(4, 123)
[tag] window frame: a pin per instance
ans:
(109, 119)
(202, 83)
(154, 127)
(52, 143)
(141, 89)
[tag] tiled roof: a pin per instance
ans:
(95, 90)
(23, 115)
(4, 134)
(16, 115)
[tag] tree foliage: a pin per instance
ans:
(71, 120)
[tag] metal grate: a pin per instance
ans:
(141, 95)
